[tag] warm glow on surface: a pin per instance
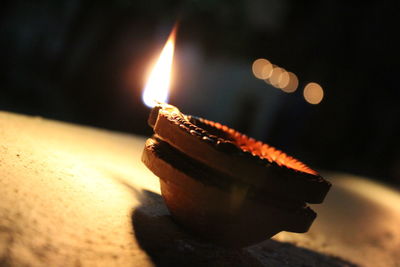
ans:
(313, 93)
(158, 82)
(373, 190)
(262, 68)
(262, 150)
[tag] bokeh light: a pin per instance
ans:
(283, 80)
(262, 68)
(276, 76)
(292, 84)
(313, 93)
(267, 71)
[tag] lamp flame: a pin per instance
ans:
(158, 82)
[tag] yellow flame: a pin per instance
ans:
(158, 82)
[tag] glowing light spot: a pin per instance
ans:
(267, 71)
(292, 84)
(313, 93)
(283, 80)
(262, 68)
(276, 76)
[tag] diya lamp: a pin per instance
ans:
(218, 183)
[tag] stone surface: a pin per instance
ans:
(78, 196)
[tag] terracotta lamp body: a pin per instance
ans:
(226, 187)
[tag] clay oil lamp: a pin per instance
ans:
(223, 186)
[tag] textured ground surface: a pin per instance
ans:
(76, 196)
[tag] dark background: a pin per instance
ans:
(86, 61)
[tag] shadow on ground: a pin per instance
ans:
(168, 244)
